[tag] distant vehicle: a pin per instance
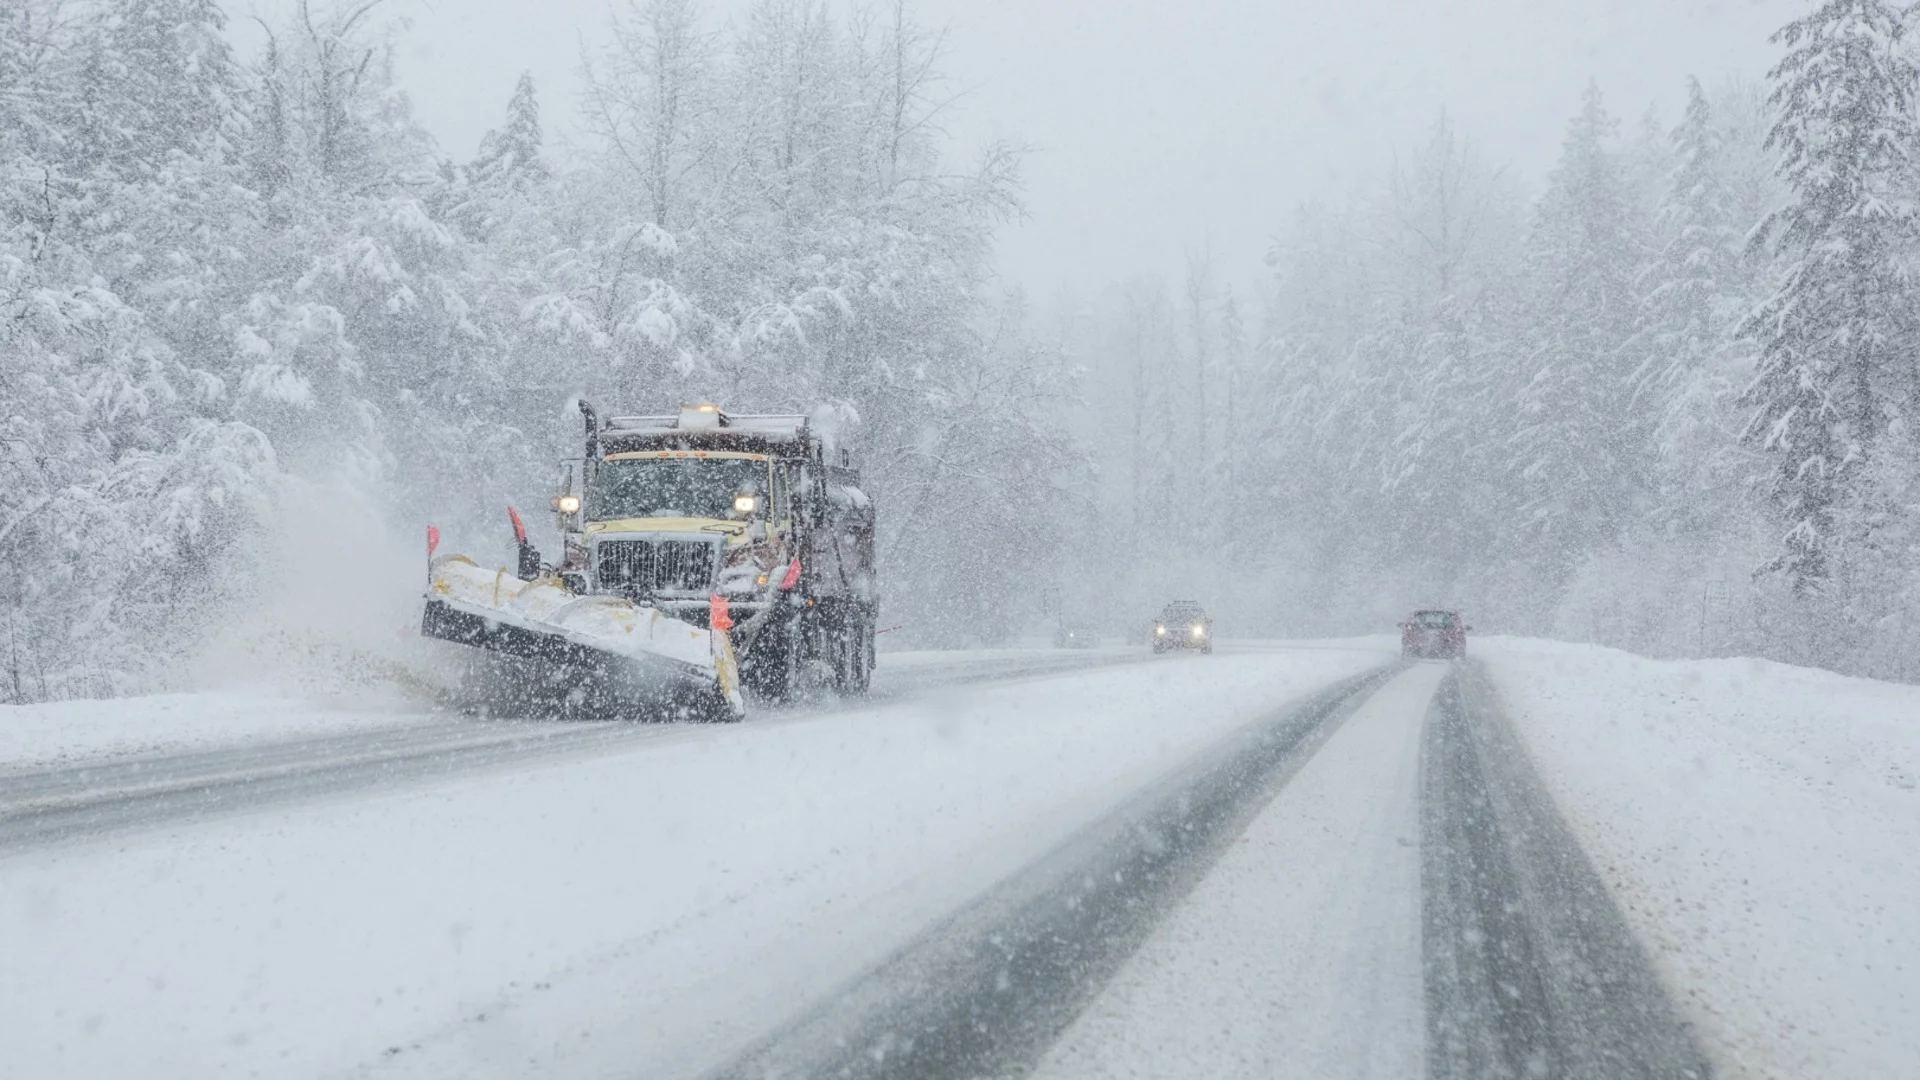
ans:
(1075, 636)
(1183, 624)
(1433, 635)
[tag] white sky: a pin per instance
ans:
(1160, 125)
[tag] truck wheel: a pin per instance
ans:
(852, 644)
(858, 672)
(707, 706)
(771, 668)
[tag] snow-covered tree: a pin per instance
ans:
(1836, 340)
(650, 96)
(1579, 449)
(1696, 288)
(176, 82)
(513, 152)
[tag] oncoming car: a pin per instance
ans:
(1433, 635)
(1183, 624)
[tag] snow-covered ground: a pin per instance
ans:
(1299, 954)
(924, 659)
(69, 732)
(1760, 826)
(66, 732)
(664, 901)
(641, 910)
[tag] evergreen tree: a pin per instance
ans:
(1836, 340)
(175, 80)
(513, 153)
(1695, 293)
(510, 175)
(1580, 444)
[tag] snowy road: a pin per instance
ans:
(659, 902)
(1379, 888)
(1299, 955)
(1304, 861)
(86, 799)
(985, 992)
(1531, 969)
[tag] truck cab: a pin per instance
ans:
(755, 522)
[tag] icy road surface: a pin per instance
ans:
(1299, 954)
(1291, 860)
(640, 910)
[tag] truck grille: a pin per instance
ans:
(655, 565)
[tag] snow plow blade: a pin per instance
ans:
(613, 646)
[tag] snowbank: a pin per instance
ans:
(1760, 825)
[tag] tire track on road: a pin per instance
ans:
(986, 991)
(1530, 969)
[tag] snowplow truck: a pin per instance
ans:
(754, 526)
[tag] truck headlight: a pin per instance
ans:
(1199, 631)
(567, 504)
(744, 504)
(1160, 630)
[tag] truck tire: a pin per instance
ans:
(854, 655)
(771, 668)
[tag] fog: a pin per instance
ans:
(1155, 126)
(954, 538)
(1312, 313)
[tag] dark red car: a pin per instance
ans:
(1433, 635)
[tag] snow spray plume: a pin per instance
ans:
(327, 602)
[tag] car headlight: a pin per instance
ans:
(1199, 631)
(1160, 630)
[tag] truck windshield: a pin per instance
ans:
(671, 487)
